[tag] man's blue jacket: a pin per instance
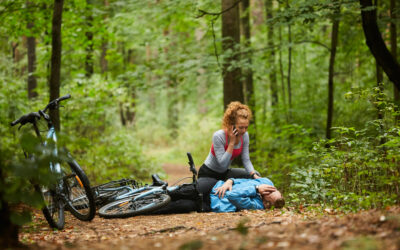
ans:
(242, 196)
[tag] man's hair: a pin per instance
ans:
(279, 203)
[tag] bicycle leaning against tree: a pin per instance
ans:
(71, 189)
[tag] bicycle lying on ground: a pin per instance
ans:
(72, 189)
(141, 200)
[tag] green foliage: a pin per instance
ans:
(162, 67)
(357, 169)
(17, 176)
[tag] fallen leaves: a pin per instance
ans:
(247, 229)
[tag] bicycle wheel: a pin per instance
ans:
(129, 207)
(53, 210)
(78, 194)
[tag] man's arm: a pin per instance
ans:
(245, 198)
(227, 186)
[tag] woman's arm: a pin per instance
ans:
(246, 155)
(223, 157)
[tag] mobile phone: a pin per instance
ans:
(234, 128)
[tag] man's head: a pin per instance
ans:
(274, 199)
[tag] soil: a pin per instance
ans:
(289, 228)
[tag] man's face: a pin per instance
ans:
(269, 199)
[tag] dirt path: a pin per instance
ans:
(289, 228)
(176, 173)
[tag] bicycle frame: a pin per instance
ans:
(138, 193)
(51, 134)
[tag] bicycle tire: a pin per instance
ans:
(79, 196)
(128, 207)
(53, 206)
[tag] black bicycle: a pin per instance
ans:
(142, 200)
(72, 190)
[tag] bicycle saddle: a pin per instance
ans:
(157, 180)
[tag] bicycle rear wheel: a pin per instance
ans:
(53, 210)
(129, 207)
(78, 193)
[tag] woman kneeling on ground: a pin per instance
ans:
(227, 143)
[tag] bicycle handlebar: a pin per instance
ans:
(191, 163)
(31, 117)
(54, 103)
(26, 118)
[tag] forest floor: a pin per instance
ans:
(289, 228)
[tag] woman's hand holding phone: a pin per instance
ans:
(235, 131)
(232, 134)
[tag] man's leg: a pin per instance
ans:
(178, 207)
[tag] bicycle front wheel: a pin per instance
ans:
(129, 207)
(78, 193)
(53, 209)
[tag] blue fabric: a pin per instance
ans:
(242, 196)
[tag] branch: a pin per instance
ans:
(203, 12)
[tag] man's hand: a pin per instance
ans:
(222, 189)
(265, 189)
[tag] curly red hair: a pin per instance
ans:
(234, 111)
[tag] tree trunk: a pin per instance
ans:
(393, 42)
(271, 56)
(172, 108)
(103, 59)
(8, 230)
(379, 84)
(56, 60)
(376, 44)
(31, 48)
(17, 57)
(289, 65)
(233, 87)
(334, 42)
(89, 37)
(282, 74)
(248, 72)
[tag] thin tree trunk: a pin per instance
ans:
(17, 56)
(379, 84)
(334, 42)
(248, 72)
(56, 60)
(271, 56)
(103, 59)
(282, 76)
(47, 45)
(31, 48)
(289, 66)
(376, 44)
(233, 87)
(393, 42)
(89, 37)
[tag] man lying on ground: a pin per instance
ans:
(238, 194)
(229, 196)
